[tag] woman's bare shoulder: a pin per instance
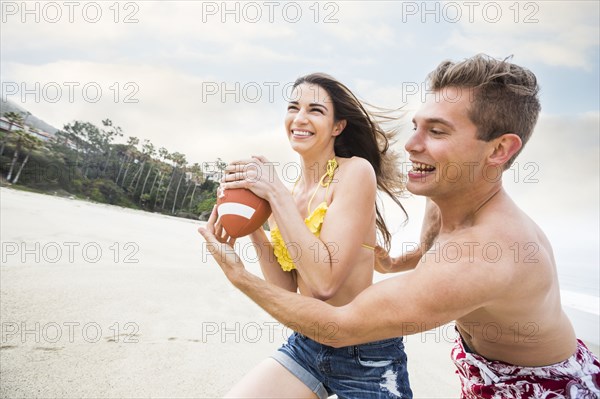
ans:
(357, 170)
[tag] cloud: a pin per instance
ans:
(174, 50)
(557, 33)
(560, 163)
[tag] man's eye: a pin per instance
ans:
(436, 132)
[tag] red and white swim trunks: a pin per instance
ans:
(577, 377)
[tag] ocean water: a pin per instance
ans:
(580, 287)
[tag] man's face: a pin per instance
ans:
(444, 150)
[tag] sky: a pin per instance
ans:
(211, 79)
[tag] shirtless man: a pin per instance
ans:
(491, 268)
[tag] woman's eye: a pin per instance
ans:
(319, 110)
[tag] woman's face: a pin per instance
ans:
(309, 121)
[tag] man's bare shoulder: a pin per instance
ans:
(494, 253)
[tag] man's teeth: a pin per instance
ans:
(302, 133)
(422, 167)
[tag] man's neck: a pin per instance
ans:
(460, 211)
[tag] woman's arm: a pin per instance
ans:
(409, 260)
(323, 263)
(269, 266)
(384, 263)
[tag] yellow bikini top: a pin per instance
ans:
(314, 221)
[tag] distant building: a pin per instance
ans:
(212, 176)
(44, 136)
(8, 126)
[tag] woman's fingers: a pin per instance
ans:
(235, 184)
(261, 158)
(251, 175)
(382, 259)
(240, 165)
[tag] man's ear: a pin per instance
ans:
(504, 147)
(339, 127)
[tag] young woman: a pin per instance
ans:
(323, 235)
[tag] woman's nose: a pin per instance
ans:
(300, 117)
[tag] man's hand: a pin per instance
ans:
(220, 245)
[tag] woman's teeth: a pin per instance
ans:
(301, 133)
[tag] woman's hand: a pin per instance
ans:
(256, 174)
(383, 261)
(432, 222)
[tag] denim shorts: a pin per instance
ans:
(368, 371)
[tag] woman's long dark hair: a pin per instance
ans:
(363, 137)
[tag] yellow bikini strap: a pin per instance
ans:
(332, 165)
(295, 184)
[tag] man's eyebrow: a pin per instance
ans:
(437, 120)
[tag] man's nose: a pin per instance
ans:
(415, 142)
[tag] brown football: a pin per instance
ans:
(241, 211)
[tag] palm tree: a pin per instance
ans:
(3, 138)
(165, 156)
(20, 137)
(182, 163)
(76, 133)
(13, 119)
(123, 154)
(147, 153)
(31, 143)
(132, 153)
(197, 176)
(107, 139)
(151, 153)
(221, 168)
(172, 157)
(94, 141)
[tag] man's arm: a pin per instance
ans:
(428, 297)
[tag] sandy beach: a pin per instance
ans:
(104, 302)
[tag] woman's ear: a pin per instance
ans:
(339, 127)
(504, 148)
